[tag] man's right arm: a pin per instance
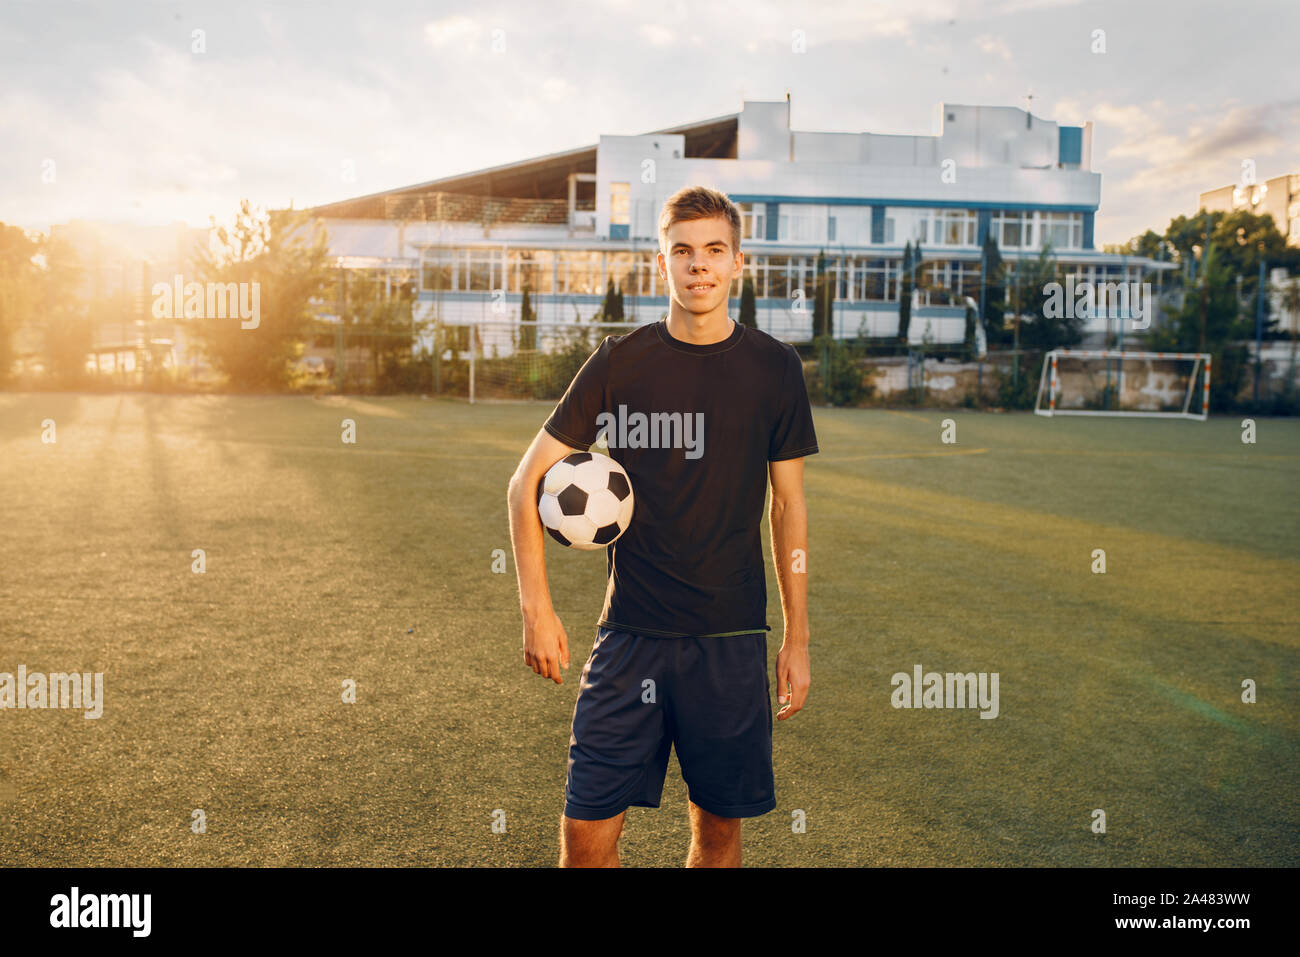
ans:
(546, 646)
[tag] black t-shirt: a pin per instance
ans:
(691, 561)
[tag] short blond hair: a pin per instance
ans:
(698, 202)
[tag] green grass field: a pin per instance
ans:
(373, 562)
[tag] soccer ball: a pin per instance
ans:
(585, 500)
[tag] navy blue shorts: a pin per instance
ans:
(641, 696)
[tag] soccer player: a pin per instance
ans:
(680, 657)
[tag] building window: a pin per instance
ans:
(846, 275)
(893, 278)
(802, 223)
(752, 221)
(808, 281)
(534, 267)
(1013, 229)
(948, 281)
(910, 225)
(778, 277)
(579, 272)
(1056, 230)
(941, 226)
(475, 270)
(849, 225)
(618, 204)
(1032, 230)
(1007, 229)
(436, 274)
(955, 227)
(632, 272)
(870, 280)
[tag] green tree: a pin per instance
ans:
(1209, 320)
(284, 252)
(19, 290)
(1241, 241)
(905, 294)
(611, 308)
(69, 336)
(1186, 232)
(1291, 305)
(748, 308)
(382, 322)
(841, 376)
(527, 322)
(1048, 326)
(995, 291)
(1240, 238)
(1023, 310)
(1148, 244)
(823, 295)
(1210, 303)
(968, 339)
(1206, 314)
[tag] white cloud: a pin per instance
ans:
(457, 31)
(1156, 160)
(657, 35)
(145, 129)
(557, 88)
(995, 46)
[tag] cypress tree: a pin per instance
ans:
(905, 294)
(528, 323)
(748, 308)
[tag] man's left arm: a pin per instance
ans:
(788, 516)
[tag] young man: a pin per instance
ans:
(680, 657)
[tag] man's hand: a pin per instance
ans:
(546, 646)
(793, 676)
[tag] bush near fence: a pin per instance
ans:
(848, 373)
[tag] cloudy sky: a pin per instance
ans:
(107, 112)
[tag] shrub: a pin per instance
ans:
(840, 375)
(1016, 395)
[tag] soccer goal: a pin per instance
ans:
(490, 359)
(1106, 382)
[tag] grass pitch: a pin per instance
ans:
(374, 562)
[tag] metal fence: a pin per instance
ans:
(505, 359)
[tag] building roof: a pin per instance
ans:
(540, 177)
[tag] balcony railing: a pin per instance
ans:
(488, 211)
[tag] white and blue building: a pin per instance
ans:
(566, 223)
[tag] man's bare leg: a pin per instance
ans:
(590, 843)
(715, 841)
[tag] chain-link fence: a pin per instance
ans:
(509, 360)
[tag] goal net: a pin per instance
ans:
(1106, 382)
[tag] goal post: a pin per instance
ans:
(1169, 385)
(506, 359)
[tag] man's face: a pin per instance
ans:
(700, 263)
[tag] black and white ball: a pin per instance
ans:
(585, 500)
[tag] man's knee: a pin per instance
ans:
(710, 830)
(590, 843)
